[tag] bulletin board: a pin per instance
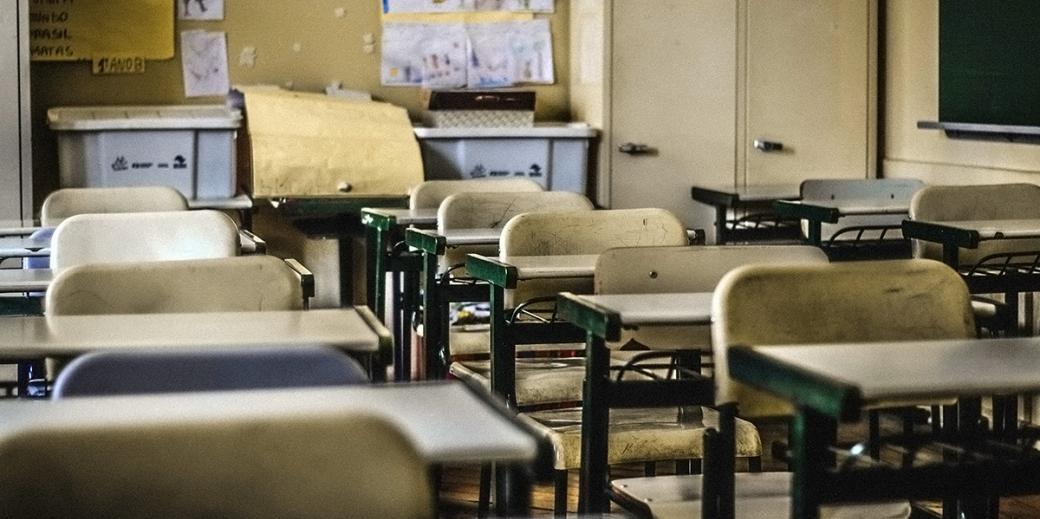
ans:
(73, 30)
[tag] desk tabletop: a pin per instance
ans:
(18, 227)
(19, 280)
(238, 203)
(998, 229)
(840, 379)
(23, 247)
(858, 207)
(731, 195)
(402, 216)
(482, 236)
(655, 309)
(606, 314)
(447, 422)
(547, 267)
(34, 336)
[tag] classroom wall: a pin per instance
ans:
(912, 94)
(330, 50)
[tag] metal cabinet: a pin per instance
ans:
(15, 132)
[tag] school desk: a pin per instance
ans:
(829, 383)
(334, 216)
(502, 275)
(353, 330)
(447, 422)
(18, 227)
(23, 247)
(14, 281)
(438, 292)
(818, 212)
(753, 227)
(603, 317)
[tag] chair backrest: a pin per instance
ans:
(137, 237)
(196, 463)
(647, 270)
(210, 369)
(64, 203)
(893, 190)
(494, 210)
(985, 202)
(583, 232)
(431, 193)
(840, 302)
(246, 283)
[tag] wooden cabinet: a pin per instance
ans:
(699, 81)
(15, 135)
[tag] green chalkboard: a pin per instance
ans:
(989, 62)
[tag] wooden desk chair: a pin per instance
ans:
(190, 462)
(982, 202)
(139, 237)
(247, 283)
(68, 202)
(547, 380)
(860, 301)
(855, 232)
(558, 380)
(490, 211)
(430, 194)
(222, 369)
(658, 434)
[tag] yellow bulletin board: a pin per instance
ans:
(72, 30)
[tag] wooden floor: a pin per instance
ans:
(460, 485)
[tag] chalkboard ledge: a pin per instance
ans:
(1029, 134)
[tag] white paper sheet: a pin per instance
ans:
(481, 55)
(463, 6)
(204, 63)
(430, 55)
(200, 9)
(504, 54)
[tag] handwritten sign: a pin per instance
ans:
(71, 30)
(105, 65)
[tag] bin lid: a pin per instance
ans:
(538, 131)
(175, 117)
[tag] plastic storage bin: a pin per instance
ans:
(190, 148)
(556, 156)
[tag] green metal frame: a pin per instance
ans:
(592, 318)
(816, 215)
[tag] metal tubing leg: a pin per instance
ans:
(512, 490)
(812, 434)
(595, 415)
(560, 493)
(484, 497)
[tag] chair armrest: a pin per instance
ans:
(306, 280)
(251, 243)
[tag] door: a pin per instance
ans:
(699, 81)
(810, 87)
(673, 89)
(15, 189)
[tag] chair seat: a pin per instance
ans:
(773, 507)
(475, 339)
(538, 381)
(758, 495)
(638, 435)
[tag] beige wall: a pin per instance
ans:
(912, 90)
(330, 50)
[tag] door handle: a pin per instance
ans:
(768, 146)
(632, 148)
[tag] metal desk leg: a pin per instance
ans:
(410, 290)
(503, 350)
(815, 233)
(375, 243)
(512, 491)
(595, 416)
(431, 314)
(950, 253)
(720, 225)
(811, 433)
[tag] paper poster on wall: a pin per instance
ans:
(204, 62)
(421, 54)
(479, 55)
(505, 54)
(463, 6)
(200, 9)
(67, 30)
